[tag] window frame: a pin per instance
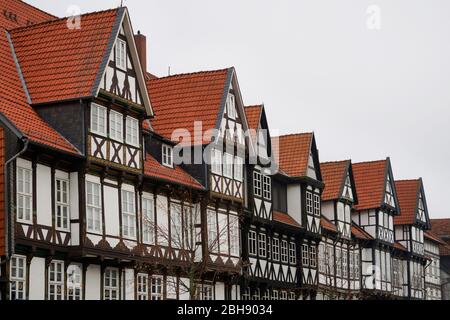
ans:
(238, 167)
(275, 249)
(96, 120)
(292, 253)
(257, 184)
(56, 272)
(309, 203)
(252, 243)
(262, 243)
(129, 217)
(167, 155)
(312, 256)
(267, 187)
(216, 162)
(284, 254)
(27, 196)
(156, 287)
(305, 255)
(110, 289)
(18, 279)
(121, 57)
(59, 216)
(231, 106)
(116, 126)
(228, 166)
(148, 220)
(212, 231)
(74, 288)
(142, 287)
(96, 209)
(132, 131)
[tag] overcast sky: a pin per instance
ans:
(366, 92)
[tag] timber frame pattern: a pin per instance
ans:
(94, 207)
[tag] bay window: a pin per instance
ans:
(148, 223)
(262, 245)
(238, 168)
(132, 134)
(116, 126)
(292, 253)
(257, 189)
(305, 255)
(62, 204)
(284, 251)
(216, 162)
(252, 242)
(93, 207)
(228, 165)
(276, 249)
(98, 119)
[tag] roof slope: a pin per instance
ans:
(292, 152)
(328, 225)
(253, 114)
(370, 183)
(359, 233)
(13, 101)
(180, 100)
(333, 175)
(284, 218)
(407, 194)
(59, 63)
(440, 227)
(177, 175)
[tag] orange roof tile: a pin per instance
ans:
(292, 152)
(441, 228)
(327, 224)
(333, 175)
(407, 195)
(180, 100)
(370, 183)
(59, 63)
(359, 233)
(284, 218)
(400, 247)
(13, 101)
(154, 169)
(253, 114)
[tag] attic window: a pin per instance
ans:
(121, 53)
(231, 109)
(167, 156)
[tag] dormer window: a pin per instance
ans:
(116, 126)
(98, 119)
(231, 108)
(167, 156)
(132, 131)
(121, 54)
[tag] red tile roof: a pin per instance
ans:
(180, 100)
(441, 228)
(284, 218)
(59, 63)
(253, 114)
(333, 175)
(327, 224)
(407, 195)
(430, 236)
(293, 152)
(359, 233)
(400, 247)
(154, 169)
(13, 101)
(370, 183)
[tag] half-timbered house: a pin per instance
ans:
(410, 226)
(297, 189)
(432, 269)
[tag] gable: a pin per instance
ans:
(311, 171)
(347, 191)
(389, 192)
(123, 76)
(422, 214)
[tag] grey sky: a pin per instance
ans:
(367, 94)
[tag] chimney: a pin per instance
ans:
(141, 46)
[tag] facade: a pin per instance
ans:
(440, 229)
(170, 188)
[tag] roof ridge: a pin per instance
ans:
(47, 22)
(254, 106)
(294, 134)
(371, 161)
(407, 180)
(336, 161)
(191, 74)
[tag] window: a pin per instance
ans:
(93, 207)
(309, 203)
(18, 278)
(132, 134)
(257, 184)
(188, 227)
(305, 255)
(148, 223)
(267, 187)
(216, 162)
(256, 294)
(266, 295)
(111, 284)
(344, 263)
(291, 295)
(246, 294)
(157, 288)
(231, 109)
(292, 253)
(98, 119)
(142, 286)
(252, 242)
(276, 249)
(121, 54)
(167, 156)
(24, 195)
(116, 126)
(228, 165)
(284, 251)
(128, 214)
(322, 261)
(74, 282)
(212, 231)
(274, 294)
(312, 256)
(234, 235)
(262, 245)
(283, 295)
(56, 280)
(317, 205)
(238, 168)
(176, 225)
(207, 292)
(62, 204)
(338, 262)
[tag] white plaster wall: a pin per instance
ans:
(328, 209)
(74, 194)
(44, 195)
(93, 276)
(129, 284)
(294, 202)
(112, 222)
(220, 291)
(37, 279)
